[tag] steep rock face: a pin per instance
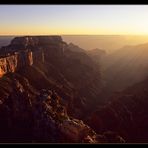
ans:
(48, 87)
(34, 43)
(73, 72)
(23, 51)
(13, 62)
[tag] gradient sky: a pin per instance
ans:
(73, 19)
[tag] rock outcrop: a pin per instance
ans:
(23, 51)
(75, 73)
(16, 61)
(45, 89)
(28, 115)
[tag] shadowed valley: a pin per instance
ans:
(57, 92)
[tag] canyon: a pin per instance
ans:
(55, 92)
(43, 92)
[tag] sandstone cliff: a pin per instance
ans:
(32, 65)
(23, 51)
(74, 73)
(13, 62)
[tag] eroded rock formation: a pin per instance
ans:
(44, 87)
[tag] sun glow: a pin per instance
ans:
(74, 20)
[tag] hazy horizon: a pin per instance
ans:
(108, 43)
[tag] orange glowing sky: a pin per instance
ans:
(73, 19)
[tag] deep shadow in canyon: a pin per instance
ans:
(55, 92)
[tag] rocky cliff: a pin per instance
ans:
(74, 74)
(29, 115)
(23, 51)
(15, 61)
(44, 87)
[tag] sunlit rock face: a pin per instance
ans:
(13, 62)
(24, 51)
